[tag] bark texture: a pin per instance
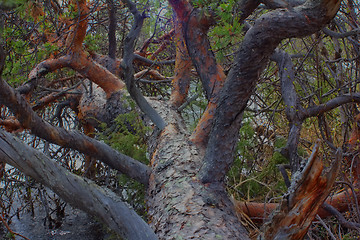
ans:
(71, 139)
(258, 45)
(180, 206)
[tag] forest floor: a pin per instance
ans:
(75, 225)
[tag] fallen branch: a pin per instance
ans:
(79, 192)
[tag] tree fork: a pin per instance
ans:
(258, 45)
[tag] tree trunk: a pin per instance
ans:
(180, 206)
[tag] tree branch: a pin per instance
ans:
(307, 193)
(71, 139)
(195, 27)
(258, 45)
(112, 28)
(127, 65)
(183, 65)
(79, 192)
(246, 8)
(331, 104)
(292, 107)
(341, 35)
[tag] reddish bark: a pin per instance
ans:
(195, 26)
(90, 162)
(183, 66)
(167, 36)
(11, 124)
(77, 59)
(307, 193)
(71, 139)
(75, 39)
(44, 101)
(150, 72)
(342, 201)
(259, 212)
(82, 63)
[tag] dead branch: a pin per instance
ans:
(307, 193)
(79, 192)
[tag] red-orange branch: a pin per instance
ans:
(77, 59)
(84, 65)
(11, 124)
(195, 26)
(182, 8)
(77, 37)
(183, 66)
(150, 72)
(308, 191)
(258, 212)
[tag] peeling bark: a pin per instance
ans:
(179, 205)
(183, 66)
(195, 27)
(307, 193)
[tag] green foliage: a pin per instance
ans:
(91, 42)
(129, 138)
(255, 172)
(228, 31)
(9, 4)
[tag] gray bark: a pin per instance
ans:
(180, 206)
(79, 192)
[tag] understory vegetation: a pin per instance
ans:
(325, 66)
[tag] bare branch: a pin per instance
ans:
(341, 218)
(331, 104)
(79, 192)
(341, 35)
(292, 107)
(127, 65)
(71, 139)
(112, 28)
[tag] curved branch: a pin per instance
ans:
(195, 27)
(258, 45)
(71, 139)
(341, 35)
(75, 40)
(84, 65)
(292, 107)
(127, 65)
(331, 104)
(79, 192)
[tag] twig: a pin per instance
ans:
(9, 229)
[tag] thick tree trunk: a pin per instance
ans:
(180, 206)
